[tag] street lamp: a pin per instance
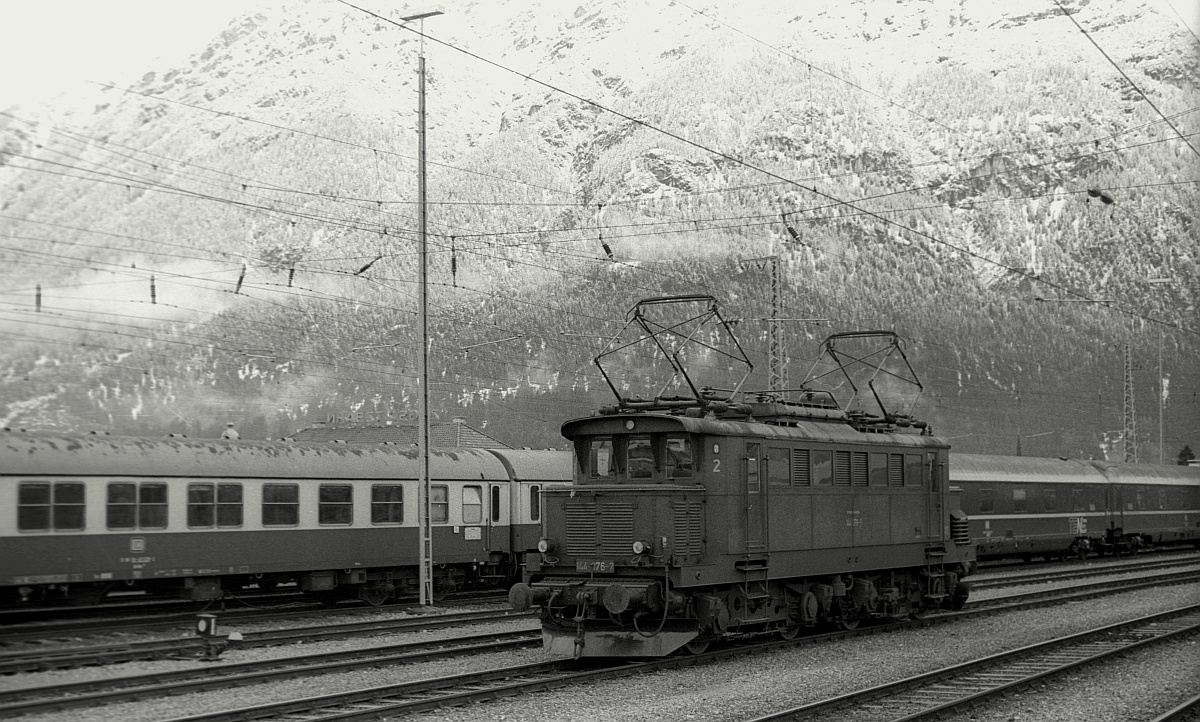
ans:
(424, 503)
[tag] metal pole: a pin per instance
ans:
(1161, 400)
(426, 574)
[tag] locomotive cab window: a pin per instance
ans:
(600, 459)
(335, 504)
(679, 457)
(641, 457)
(42, 506)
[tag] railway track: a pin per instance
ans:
(1064, 574)
(193, 647)
(951, 689)
(452, 690)
(157, 621)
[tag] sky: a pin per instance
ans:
(51, 47)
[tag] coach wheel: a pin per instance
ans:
(697, 646)
(440, 591)
(376, 593)
(917, 613)
(848, 624)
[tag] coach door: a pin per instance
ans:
(1114, 504)
(933, 495)
(755, 500)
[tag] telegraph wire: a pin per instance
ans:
(1071, 17)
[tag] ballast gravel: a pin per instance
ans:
(740, 689)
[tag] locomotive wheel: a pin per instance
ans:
(789, 633)
(376, 594)
(917, 613)
(697, 646)
(440, 591)
(848, 624)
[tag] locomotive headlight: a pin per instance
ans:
(545, 546)
(642, 547)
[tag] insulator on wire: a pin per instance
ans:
(795, 236)
(241, 277)
(37, 298)
(153, 292)
(607, 251)
(291, 275)
(453, 263)
(363, 270)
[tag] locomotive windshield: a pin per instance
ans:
(636, 458)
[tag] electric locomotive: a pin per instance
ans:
(716, 514)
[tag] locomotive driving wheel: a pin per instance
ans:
(789, 633)
(848, 624)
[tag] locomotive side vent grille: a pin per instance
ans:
(616, 528)
(688, 531)
(581, 528)
(858, 468)
(841, 468)
(801, 472)
(896, 470)
(960, 531)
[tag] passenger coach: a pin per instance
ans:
(83, 516)
(1027, 507)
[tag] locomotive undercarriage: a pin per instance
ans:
(624, 616)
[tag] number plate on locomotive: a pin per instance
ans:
(594, 566)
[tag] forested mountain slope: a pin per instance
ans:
(236, 239)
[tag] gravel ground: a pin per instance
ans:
(760, 684)
(736, 690)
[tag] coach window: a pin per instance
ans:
(33, 507)
(987, 501)
(387, 504)
(1050, 497)
(201, 505)
(152, 506)
(1019, 500)
(122, 506)
(641, 457)
(439, 504)
(914, 470)
(601, 459)
(879, 469)
(472, 505)
(535, 503)
(679, 457)
(1077, 499)
(1162, 498)
(779, 467)
(335, 504)
(822, 467)
(1141, 499)
(229, 505)
(281, 505)
(41, 506)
